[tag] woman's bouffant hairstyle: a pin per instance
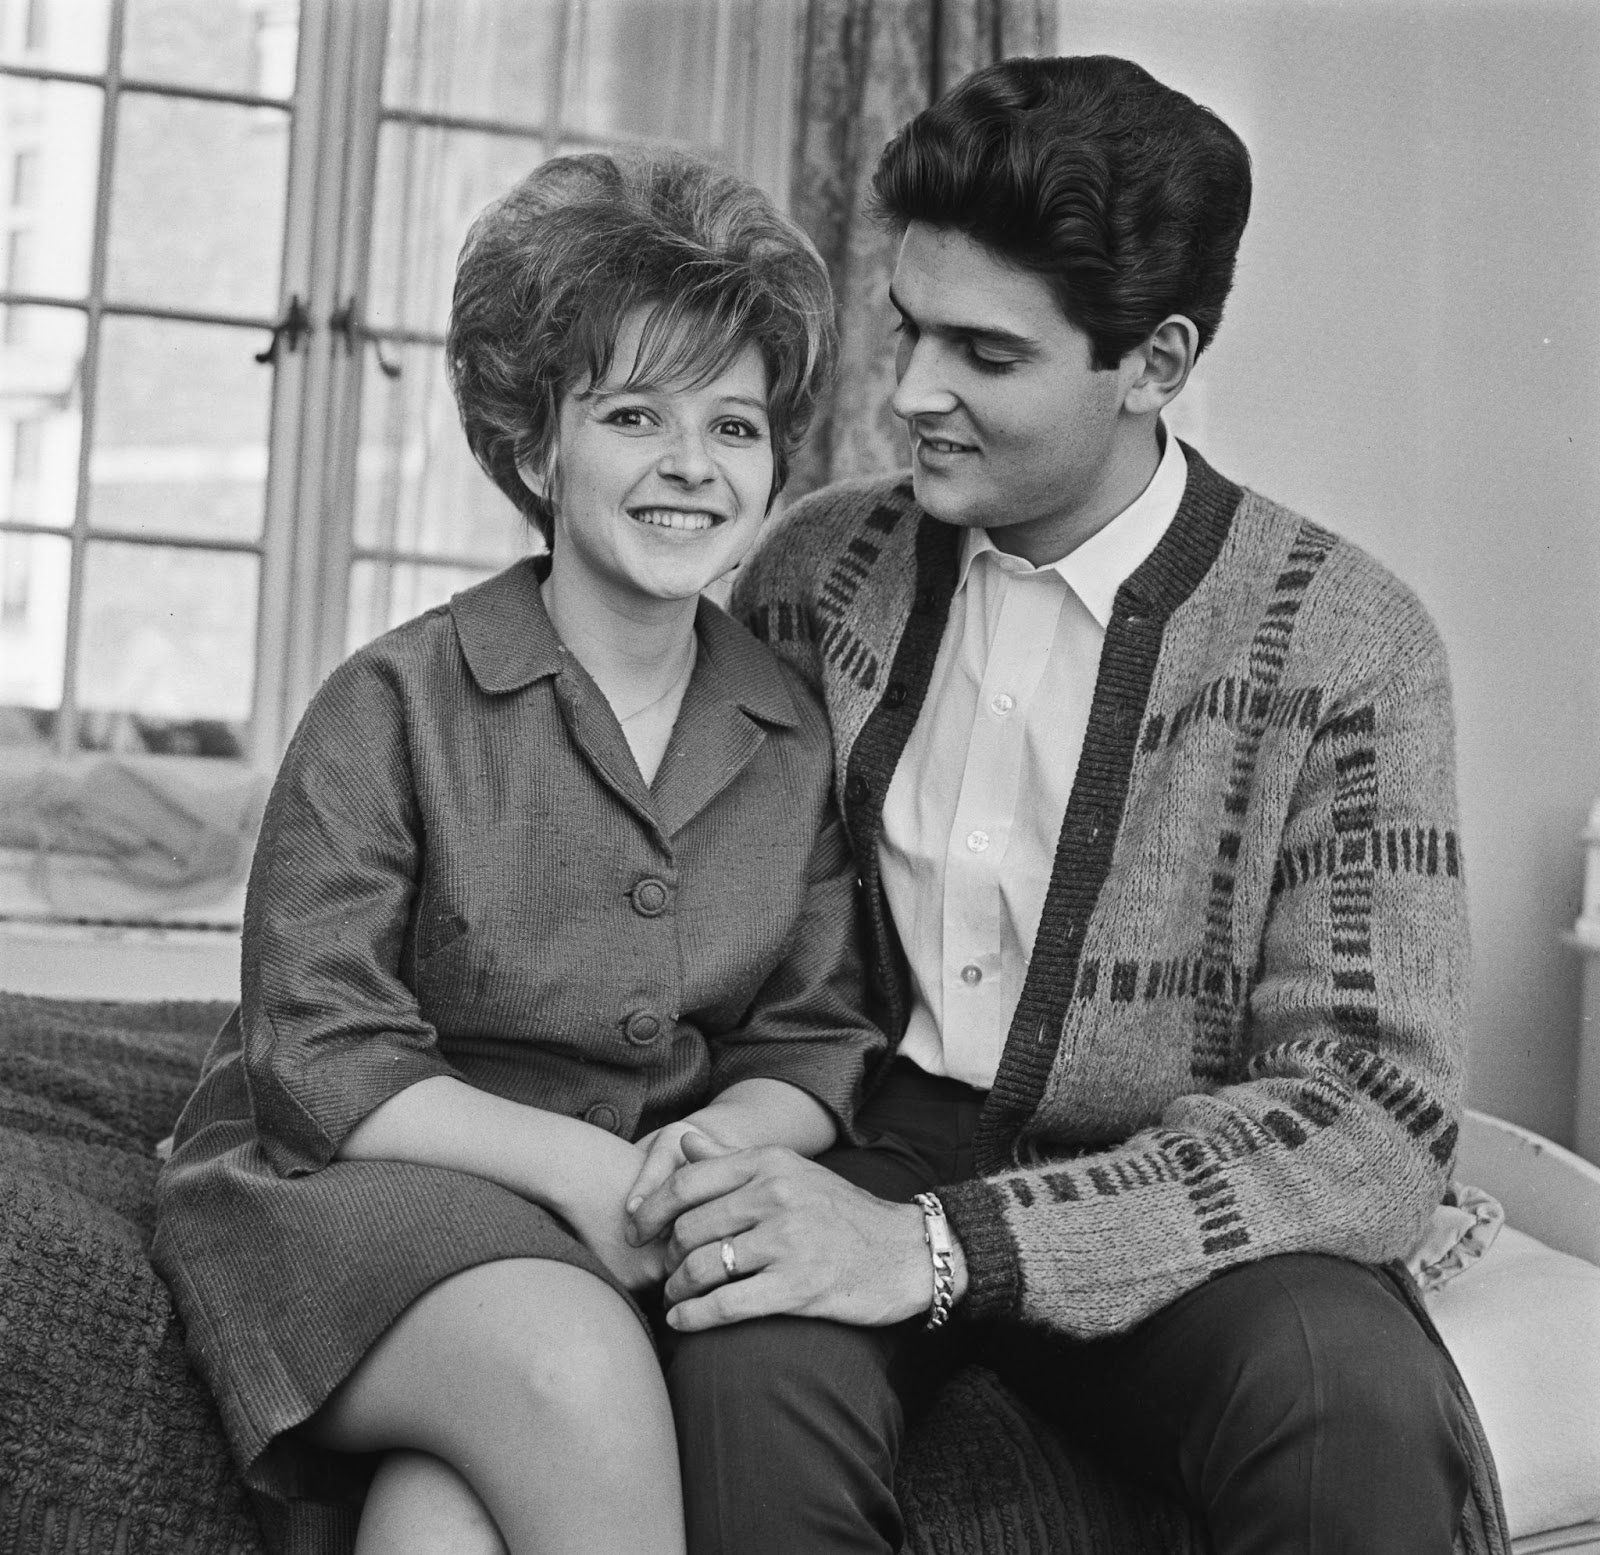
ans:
(1126, 197)
(548, 272)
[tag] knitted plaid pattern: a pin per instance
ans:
(1241, 1029)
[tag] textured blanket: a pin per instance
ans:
(108, 1443)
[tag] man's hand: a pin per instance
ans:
(804, 1242)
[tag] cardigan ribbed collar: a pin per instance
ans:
(509, 642)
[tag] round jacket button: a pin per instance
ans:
(603, 1115)
(642, 1028)
(650, 897)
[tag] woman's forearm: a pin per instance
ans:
(544, 1156)
(767, 1112)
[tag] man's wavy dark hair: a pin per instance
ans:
(1126, 197)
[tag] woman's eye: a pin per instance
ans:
(737, 427)
(627, 416)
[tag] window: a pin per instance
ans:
(228, 454)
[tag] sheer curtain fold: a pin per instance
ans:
(865, 67)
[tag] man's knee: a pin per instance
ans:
(783, 1368)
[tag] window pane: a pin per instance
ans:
(418, 488)
(167, 633)
(41, 351)
(197, 212)
(34, 571)
(49, 161)
(61, 34)
(181, 432)
(431, 183)
(383, 594)
(242, 46)
(643, 69)
(481, 58)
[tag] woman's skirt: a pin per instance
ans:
(285, 1283)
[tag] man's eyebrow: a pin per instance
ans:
(991, 334)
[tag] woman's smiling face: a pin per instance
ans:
(659, 490)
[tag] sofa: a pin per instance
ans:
(109, 1443)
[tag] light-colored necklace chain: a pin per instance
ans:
(677, 684)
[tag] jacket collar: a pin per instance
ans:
(509, 641)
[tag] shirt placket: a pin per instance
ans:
(981, 979)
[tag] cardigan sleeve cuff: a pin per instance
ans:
(994, 1275)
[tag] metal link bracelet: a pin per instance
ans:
(936, 1233)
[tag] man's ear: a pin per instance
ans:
(1161, 366)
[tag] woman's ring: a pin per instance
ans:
(730, 1261)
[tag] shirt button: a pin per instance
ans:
(641, 1028)
(1002, 703)
(977, 841)
(972, 975)
(603, 1115)
(649, 897)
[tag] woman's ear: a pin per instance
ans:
(535, 478)
(1161, 366)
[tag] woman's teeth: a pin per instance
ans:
(674, 518)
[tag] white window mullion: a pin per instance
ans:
(320, 532)
(309, 134)
(66, 733)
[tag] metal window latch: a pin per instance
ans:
(290, 330)
(346, 321)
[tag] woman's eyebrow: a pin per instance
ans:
(990, 334)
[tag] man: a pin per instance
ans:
(1151, 787)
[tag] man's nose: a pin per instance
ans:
(920, 388)
(687, 459)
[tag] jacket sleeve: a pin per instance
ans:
(1339, 1130)
(806, 1024)
(329, 1029)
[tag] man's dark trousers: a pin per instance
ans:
(1295, 1403)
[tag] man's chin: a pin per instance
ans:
(941, 498)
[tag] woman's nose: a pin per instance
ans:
(919, 382)
(687, 459)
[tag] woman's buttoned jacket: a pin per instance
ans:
(462, 872)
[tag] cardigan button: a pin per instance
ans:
(649, 897)
(895, 694)
(603, 1115)
(855, 788)
(642, 1028)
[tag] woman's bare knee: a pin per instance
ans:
(538, 1384)
(419, 1505)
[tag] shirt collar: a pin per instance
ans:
(509, 642)
(1097, 568)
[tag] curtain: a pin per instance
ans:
(865, 67)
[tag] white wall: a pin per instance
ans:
(1412, 356)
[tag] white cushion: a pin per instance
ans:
(1523, 1323)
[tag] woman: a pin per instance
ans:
(549, 879)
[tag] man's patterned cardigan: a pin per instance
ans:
(1241, 1029)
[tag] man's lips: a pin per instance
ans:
(936, 450)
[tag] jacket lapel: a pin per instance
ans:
(736, 691)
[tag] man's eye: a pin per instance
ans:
(991, 364)
(905, 327)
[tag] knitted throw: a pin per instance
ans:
(1241, 1029)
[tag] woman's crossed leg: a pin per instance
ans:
(523, 1409)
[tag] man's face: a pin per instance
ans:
(1012, 428)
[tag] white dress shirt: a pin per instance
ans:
(973, 814)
